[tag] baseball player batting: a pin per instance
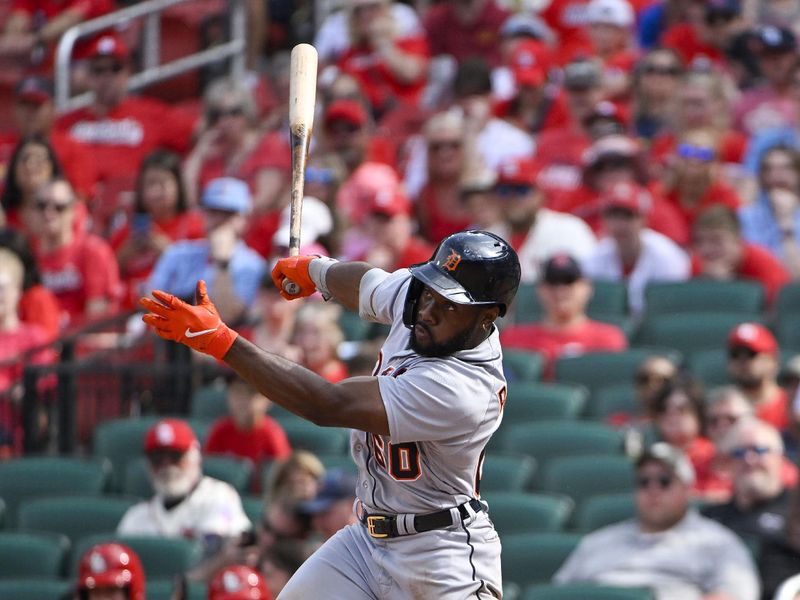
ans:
(420, 423)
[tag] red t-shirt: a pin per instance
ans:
(78, 273)
(589, 336)
(381, 87)
(266, 441)
(682, 38)
(271, 152)
(38, 306)
(440, 223)
(415, 251)
(131, 130)
(717, 193)
(569, 19)
(758, 264)
(12, 345)
(775, 411)
(447, 35)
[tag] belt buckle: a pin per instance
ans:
(371, 520)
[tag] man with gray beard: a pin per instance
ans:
(186, 503)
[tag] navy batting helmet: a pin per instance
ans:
(468, 267)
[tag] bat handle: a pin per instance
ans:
(289, 286)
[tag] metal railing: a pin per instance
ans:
(152, 72)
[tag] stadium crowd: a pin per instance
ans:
(616, 144)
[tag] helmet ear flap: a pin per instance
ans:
(412, 297)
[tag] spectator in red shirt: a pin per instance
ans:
(611, 33)
(317, 334)
(161, 216)
(568, 19)
(721, 253)
(656, 81)
(248, 432)
(753, 366)
(565, 329)
(707, 33)
(79, 268)
(390, 69)
(464, 29)
(119, 129)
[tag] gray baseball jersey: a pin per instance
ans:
(442, 412)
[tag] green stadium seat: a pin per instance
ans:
(704, 295)
(73, 516)
(121, 441)
(253, 508)
(34, 589)
(511, 591)
(609, 298)
(530, 558)
(161, 557)
(209, 402)
(507, 473)
(24, 479)
(547, 440)
(27, 555)
(522, 365)
(604, 509)
(787, 330)
(230, 469)
(710, 367)
(690, 332)
(581, 477)
(338, 461)
(354, 328)
(519, 512)
(788, 300)
(2, 514)
(305, 435)
(585, 591)
(535, 401)
(613, 399)
(163, 589)
(597, 369)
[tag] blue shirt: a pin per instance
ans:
(184, 262)
(760, 227)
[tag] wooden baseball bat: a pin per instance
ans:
(302, 98)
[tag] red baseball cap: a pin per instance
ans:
(170, 434)
(528, 63)
(109, 45)
(628, 196)
(346, 110)
(753, 336)
(390, 203)
(522, 171)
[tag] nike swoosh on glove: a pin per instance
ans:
(198, 326)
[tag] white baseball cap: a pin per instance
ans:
(610, 12)
(316, 221)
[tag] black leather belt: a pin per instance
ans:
(386, 526)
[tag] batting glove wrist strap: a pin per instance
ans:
(318, 273)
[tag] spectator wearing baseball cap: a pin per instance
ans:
(332, 508)
(753, 366)
(564, 328)
(719, 252)
(631, 252)
(536, 232)
(611, 33)
(667, 546)
(772, 104)
(231, 269)
(186, 503)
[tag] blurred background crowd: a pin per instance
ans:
(642, 157)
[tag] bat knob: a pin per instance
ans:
(290, 287)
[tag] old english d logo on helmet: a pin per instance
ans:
(452, 261)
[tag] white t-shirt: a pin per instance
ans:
(213, 508)
(661, 259)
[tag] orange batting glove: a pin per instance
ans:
(197, 326)
(294, 268)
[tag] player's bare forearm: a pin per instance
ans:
(343, 281)
(355, 403)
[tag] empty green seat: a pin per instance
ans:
(597, 369)
(604, 509)
(518, 512)
(585, 591)
(788, 300)
(530, 558)
(613, 399)
(535, 401)
(305, 435)
(161, 557)
(704, 295)
(253, 508)
(209, 402)
(787, 330)
(710, 367)
(28, 555)
(581, 477)
(35, 589)
(28, 478)
(73, 516)
(522, 365)
(121, 441)
(690, 332)
(507, 473)
(230, 469)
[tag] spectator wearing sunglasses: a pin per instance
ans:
(119, 129)
(536, 232)
(720, 253)
(78, 267)
(760, 507)
(656, 81)
(564, 329)
(667, 547)
(770, 105)
(753, 366)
